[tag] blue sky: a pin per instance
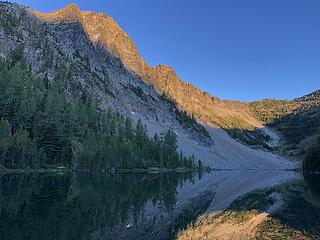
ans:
(244, 50)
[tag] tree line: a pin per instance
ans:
(41, 128)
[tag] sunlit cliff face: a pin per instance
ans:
(103, 31)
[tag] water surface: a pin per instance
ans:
(139, 206)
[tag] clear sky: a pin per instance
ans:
(234, 49)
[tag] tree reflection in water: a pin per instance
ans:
(42, 206)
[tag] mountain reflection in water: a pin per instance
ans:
(125, 206)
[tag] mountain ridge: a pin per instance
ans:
(65, 48)
(102, 30)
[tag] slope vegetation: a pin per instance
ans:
(103, 31)
(97, 60)
(297, 120)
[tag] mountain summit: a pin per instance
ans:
(70, 13)
(104, 31)
(91, 57)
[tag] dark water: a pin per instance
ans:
(42, 206)
(51, 206)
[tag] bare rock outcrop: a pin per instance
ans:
(103, 31)
(94, 57)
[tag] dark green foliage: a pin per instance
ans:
(300, 124)
(16, 55)
(51, 207)
(313, 182)
(191, 122)
(185, 120)
(270, 110)
(312, 159)
(139, 92)
(39, 127)
(254, 137)
(298, 121)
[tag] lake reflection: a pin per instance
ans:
(125, 206)
(38, 206)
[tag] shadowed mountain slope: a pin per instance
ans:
(103, 31)
(297, 120)
(95, 58)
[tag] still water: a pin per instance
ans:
(137, 206)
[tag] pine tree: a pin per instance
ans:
(39, 127)
(5, 140)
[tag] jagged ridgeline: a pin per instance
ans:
(40, 127)
(86, 59)
(56, 89)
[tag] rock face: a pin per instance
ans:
(103, 31)
(70, 13)
(93, 56)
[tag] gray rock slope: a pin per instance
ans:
(60, 47)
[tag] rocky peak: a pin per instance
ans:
(70, 13)
(104, 32)
(72, 7)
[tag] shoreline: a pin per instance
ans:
(149, 170)
(121, 170)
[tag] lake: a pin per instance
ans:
(147, 206)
